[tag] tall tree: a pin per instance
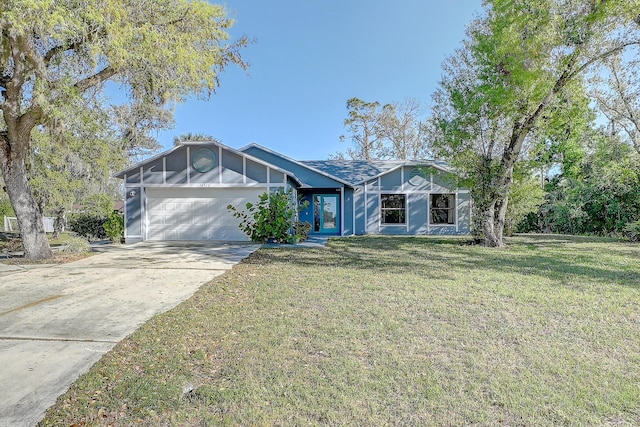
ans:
(362, 124)
(133, 123)
(602, 197)
(517, 65)
(402, 131)
(391, 131)
(54, 56)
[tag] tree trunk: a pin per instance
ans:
(494, 194)
(491, 238)
(500, 219)
(59, 223)
(34, 239)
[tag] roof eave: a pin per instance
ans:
(328, 175)
(405, 164)
(122, 173)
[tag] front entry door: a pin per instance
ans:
(326, 213)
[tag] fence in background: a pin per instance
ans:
(11, 224)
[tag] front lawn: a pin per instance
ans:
(387, 331)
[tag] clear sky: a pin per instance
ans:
(309, 57)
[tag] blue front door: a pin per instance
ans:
(326, 213)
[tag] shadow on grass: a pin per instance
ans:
(561, 258)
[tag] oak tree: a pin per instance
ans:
(57, 55)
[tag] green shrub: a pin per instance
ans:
(77, 245)
(631, 231)
(271, 219)
(115, 226)
(301, 230)
(89, 226)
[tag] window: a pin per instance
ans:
(443, 208)
(203, 159)
(393, 208)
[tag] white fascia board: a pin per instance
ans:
(140, 164)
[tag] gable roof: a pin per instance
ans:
(351, 172)
(358, 171)
(296, 162)
(123, 172)
(347, 172)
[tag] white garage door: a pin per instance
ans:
(196, 214)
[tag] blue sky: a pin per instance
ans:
(309, 57)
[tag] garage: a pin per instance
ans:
(196, 213)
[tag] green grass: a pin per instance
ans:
(387, 331)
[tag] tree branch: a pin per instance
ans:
(14, 85)
(602, 56)
(59, 49)
(27, 47)
(74, 45)
(94, 80)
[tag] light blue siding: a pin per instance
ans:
(133, 209)
(153, 172)
(176, 171)
(417, 178)
(392, 181)
(232, 168)
(417, 213)
(348, 211)
(464, 213)
(306, 175)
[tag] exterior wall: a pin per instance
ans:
(464, 211)
(175, 169)
(133, 215)
(348, 212)
(360, 207)
(417, 185)
(359, 211)
(306, 175)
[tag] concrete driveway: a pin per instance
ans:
(56, 321)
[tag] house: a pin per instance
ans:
(183, 194)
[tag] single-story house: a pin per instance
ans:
(183, 194)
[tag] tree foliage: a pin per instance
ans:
(508, 85)
(390, 131)
(197, 137)
(602, 197)
(362, 124)
(272, 218)
(525, 198)
(56, 56)
(114, 226)
(616, 90)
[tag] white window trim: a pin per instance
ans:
(455, 211)
(406, 210)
